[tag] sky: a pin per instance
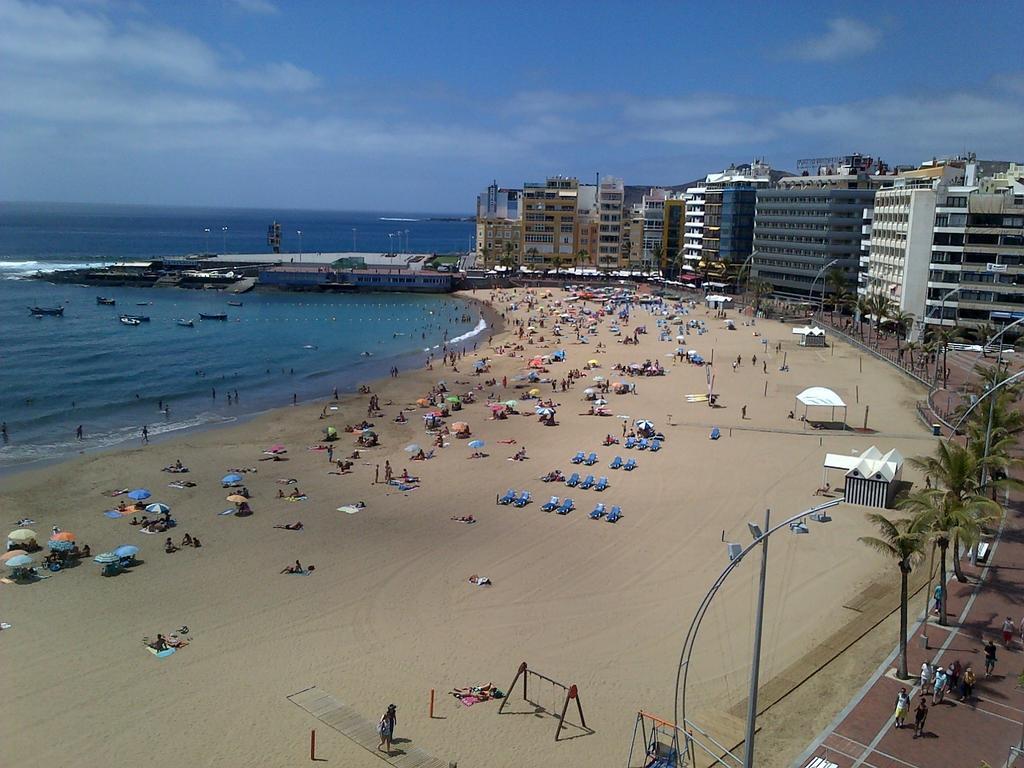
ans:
(418, 106)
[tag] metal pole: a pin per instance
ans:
(353, 239)
(755, 667)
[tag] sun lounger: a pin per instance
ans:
(523, 500)
(574, 480)
(578, 458)
(602, 483)
(566, 507)
(629, 465)
(588, 482)
(508, 498)
(715, 433)
(551, 504)
(643, 445)
(630, 442)
(616, 462)
(614, 515)
(655, 445)
(598, 512)
(591, 459)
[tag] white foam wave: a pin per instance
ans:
(481, 326)
(14, 269)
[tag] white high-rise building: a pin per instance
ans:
(611, 193)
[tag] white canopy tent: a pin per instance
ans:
(871, 479)
(823, 397)
(810, 337)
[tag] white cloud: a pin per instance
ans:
(262, 7)
(845, 37)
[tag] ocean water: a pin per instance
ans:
(88, 369)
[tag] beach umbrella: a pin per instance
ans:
(592, 362)
(276, 448)
(21, 534)
(588, 391)
(157, 508)
(63, 536)
(236, 498)
(599, 401)
(106, 558)
(512, 404)
(645, 424)
(60, 546)
(232, 478)
(599, 378)
(544, 411)
(412, 448)
(19, 561)
(680, 337)
(480, 364)
(475, 443)
(534, 391)
(11, 553)
(497, 407)
(126, 550)
(453, 399)
(331, 431)
(139, 494)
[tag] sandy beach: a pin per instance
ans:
(389, 613)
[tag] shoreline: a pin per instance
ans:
(406, 362)
(581, 600)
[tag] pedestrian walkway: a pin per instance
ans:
(324, 707)
(956, 733)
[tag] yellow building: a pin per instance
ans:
(549, 222)
(499, 242)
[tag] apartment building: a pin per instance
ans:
(549, 226)
(610, 196)
(498, 225)
(810, 225)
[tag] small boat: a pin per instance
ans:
(140, 318)
(143, 303)
(234, 303)
(53, 311)
(186, 323)
(105, 301)
(216, 316)
(125, 320)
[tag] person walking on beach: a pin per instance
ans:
(920, 717)
(376, 474)
(386, 728)
(743, 412)
(990, 658)
(78, 432)
(387, 472)
(145, 434)
(902, 707)
(213, 393)
(330, 453)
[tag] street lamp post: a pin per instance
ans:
(821, 302)
(207, 231)
(391, 242)
(224, 237)
(755, 666)
(299, 233)
(354, 249)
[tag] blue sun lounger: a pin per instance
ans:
(655, 445)
(629, 465)
(508, 498)
(643, 445)
(715, 433)
(578, 458)
(602, 483)
(614, 515)
(616, 462)
(598, 512)
(566, 507)
(574, 480)
(588, 482)
(550, 505)
(630, 442)
(591, 459)
(523, 500)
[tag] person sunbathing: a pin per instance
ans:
(296, 493)
(160, 644)
(135, 521)
(186, 541)
(290, 526)
(169, 546)
(520, 455)
(465, 519)
(419, 456)
(480, 581)
(122, 507)
(297, 568)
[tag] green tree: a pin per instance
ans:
(944, 336)
(903, 542)
(761, 288)
(840, 299)
(912, 347)
(556, 262)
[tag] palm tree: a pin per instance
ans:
(944, 336)
(761, 289)
(903, 321)
(841, 298)
(901, 540)
(835, 279)
(982, 333)
(556, 262)
(957, 473)
(863, 308)
(657, 254)
(581, 257)
(881, 310)
(912, 347)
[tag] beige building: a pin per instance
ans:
(612, 226)
(549, 222)
(499, 226)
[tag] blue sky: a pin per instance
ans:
(416, 106)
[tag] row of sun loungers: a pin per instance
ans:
(617, 463)
(515, 498)
(580, 458)
(612, 517)
(588, 482)
(643, 444)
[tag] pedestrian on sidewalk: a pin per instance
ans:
(953, 675)
(990, 657)
(920, 716)
(386, 728)
(941, 681)
(902, 707)
(1007, 632)
(967, 683)
(926, 678)
(937, 604)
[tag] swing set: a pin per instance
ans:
(571, 694)
(659, 743)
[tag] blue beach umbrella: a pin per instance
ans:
(157, 508)
(106, 558)
(232, 478)
(139, 494)
(18, 561)
(126, 550)
(480, 364)
(475, 443)
(60, 546)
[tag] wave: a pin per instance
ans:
(481, 326)
(12, 270)
(395, 218)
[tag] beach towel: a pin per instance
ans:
(303, 497)
(469, 701)
(119, 492)
(348, 509)
(113, 514)
(148, 532)
(161, 654)
(226, 512)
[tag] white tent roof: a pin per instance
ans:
(809, 331)
(873, 465)
(820, 396)
(840, 461)
(711, 297)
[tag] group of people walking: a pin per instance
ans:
(937, 682)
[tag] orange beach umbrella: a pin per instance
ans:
(63, 536)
